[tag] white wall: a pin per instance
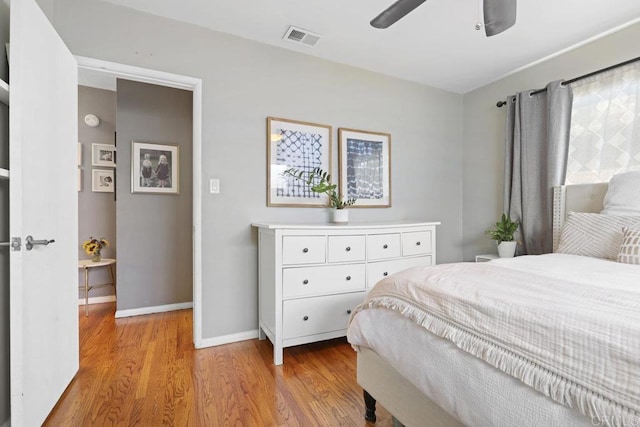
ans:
(243, 83)
(484, 128)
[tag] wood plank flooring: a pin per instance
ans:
(145, 371)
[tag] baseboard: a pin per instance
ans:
(227, 339)
(97, 300)
(155, 309)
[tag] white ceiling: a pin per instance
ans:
(436, 44)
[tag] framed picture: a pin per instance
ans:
(103, 155)
(102, 181)
(154, 168)
(365, 167)
(300, 145)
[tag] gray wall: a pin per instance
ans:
(96, 211)
(243, 83)
(484, 128)
(4, 226)
(154, 230)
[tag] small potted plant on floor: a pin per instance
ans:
(502, 232)
(320, 182)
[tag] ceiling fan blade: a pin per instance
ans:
(499, 15)
(395, 12)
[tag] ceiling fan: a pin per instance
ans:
(499, 15)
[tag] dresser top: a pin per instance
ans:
(347, 226)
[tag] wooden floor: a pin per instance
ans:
(144, 371)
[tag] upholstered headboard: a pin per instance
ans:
(575, 198)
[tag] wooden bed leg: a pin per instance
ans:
(370, 407)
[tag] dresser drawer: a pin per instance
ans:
(416, 243)
(377, 271)
(324, 279)
(346, 248)
(383, 246)
(303, 249)
(317, 315)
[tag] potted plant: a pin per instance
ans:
(320, 182)
(502, 232)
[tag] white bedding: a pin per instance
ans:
(566, 325)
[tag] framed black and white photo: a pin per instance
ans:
(300, 145)
(102, 181)
(103, 155)
(365, 167)
(154, 168)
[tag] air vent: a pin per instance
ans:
(300, 36)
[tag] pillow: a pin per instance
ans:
(623, 195)
(630, 248)
(594, 235)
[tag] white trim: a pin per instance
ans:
(193, 84)
(98, 300)
(197, 214)
(562, 52)
(154, 309)
(228, 339)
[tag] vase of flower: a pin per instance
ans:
(93, 247)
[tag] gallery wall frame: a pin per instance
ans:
(300, 145)
(365, 167)
(103, 155)
(155, 168)
(102, 180)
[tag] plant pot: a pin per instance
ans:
(507, 249)
(96, 257)
(340, 216)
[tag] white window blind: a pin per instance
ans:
(605, 125)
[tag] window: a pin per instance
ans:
(605, 125)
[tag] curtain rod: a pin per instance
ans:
(575, 79)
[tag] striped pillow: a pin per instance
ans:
(630, 247)
(595, 235)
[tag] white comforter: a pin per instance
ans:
(567, 326)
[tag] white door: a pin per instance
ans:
(43, 204)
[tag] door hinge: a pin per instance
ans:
(16, 243)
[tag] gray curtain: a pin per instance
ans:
(537, 145)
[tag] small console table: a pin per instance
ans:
(87, 264)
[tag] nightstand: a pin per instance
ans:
(485, 257)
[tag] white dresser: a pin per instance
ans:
(312, 276)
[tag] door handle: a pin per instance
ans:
(30, 243)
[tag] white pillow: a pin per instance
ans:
(595, 235)
(623, 195)
(630, 247)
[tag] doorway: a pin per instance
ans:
(136, 74)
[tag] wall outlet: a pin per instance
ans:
(214, 186)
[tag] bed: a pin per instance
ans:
(427, 371)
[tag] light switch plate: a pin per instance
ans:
(214, 186)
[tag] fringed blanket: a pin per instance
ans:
(567, 326)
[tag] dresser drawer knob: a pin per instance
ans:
(348, 311)
(385, 246)
(385, 274)
(348, 248)
(418, 243)
(305, 250)
(305, 318)
(348, 277)
(305, 282)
